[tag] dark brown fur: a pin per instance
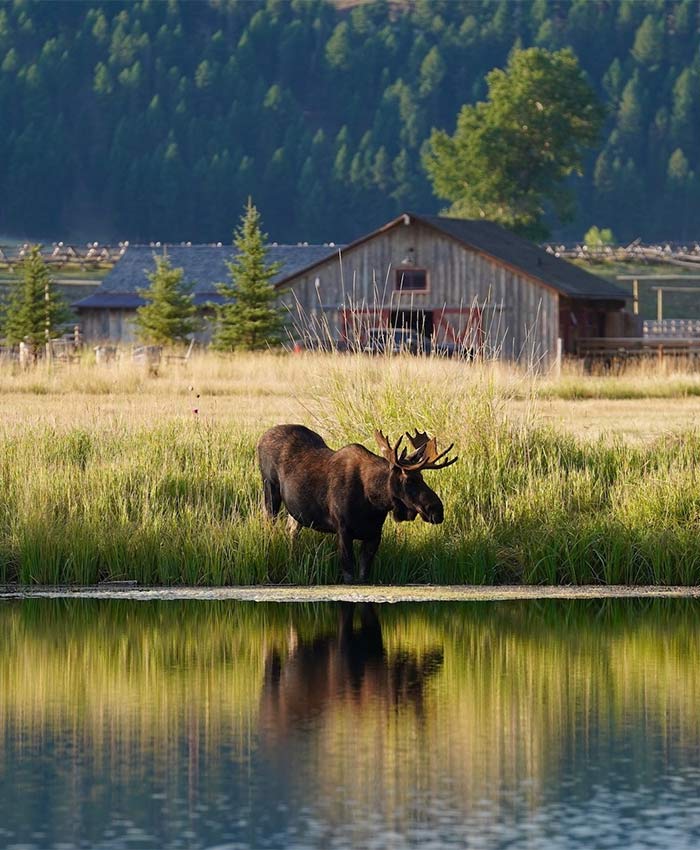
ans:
(347, 492)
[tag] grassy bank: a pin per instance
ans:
(155, 492)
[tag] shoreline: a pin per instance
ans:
(357, 593)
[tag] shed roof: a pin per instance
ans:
(204, 266)
(499, 243)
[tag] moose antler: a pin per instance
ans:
(424, 456)
(390, 453)
(426, 451)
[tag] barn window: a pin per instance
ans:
(411, 279)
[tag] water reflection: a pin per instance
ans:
(351, 665)
(515, 724)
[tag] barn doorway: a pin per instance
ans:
(420, 321)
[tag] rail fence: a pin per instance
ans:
(681, 254)
(672, 328)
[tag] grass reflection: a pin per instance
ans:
(379, 706)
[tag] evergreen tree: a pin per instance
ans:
(249, 319)
(169, 317)
(35, 312)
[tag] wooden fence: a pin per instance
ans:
(92, 256)
(686, 255)
(672, 328)
(615, 353)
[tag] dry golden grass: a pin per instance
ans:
(257, 390)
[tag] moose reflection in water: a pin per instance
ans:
(348, 667)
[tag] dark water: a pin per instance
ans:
(235, 725)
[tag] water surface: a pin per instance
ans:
(559, 724)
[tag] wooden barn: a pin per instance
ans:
(465, 285)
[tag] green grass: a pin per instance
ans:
(181, 504)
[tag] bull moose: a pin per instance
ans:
(349, 492)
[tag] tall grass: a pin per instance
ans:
(176, 499)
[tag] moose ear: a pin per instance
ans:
(383, 444)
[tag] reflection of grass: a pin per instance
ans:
(523, 687)
(178, 501)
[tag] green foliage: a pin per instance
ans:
(169, 316)
(171, 114)
(249, 320)
(35, 310)
(511, 154)
(596, 237)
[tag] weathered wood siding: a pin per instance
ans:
(118, 325)
(519, 317)
(114, 325)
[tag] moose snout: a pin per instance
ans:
(436, 515)
(433, 512)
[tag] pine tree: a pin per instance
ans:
(35, 312)
(249, 319)
(169, 316)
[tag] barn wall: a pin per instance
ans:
(117, 325)
(107, 325)
(517, 317)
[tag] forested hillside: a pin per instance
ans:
(154, 120)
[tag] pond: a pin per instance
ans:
(558, 724)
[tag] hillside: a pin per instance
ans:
(157, 120)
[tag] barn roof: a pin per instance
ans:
(204, 266)
(499, 243)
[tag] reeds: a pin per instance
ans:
(163, 495)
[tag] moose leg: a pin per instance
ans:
(347, 556)
(368, 549)
(272, 496)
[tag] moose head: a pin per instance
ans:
(410, 495)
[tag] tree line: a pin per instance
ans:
(145, 120)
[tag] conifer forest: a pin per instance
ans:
(157, 120)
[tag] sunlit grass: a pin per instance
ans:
(161, 494)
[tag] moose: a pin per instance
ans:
(349, 492)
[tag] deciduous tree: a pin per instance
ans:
(511, 154)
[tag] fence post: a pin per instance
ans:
(557, 357)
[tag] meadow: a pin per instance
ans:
(112, 473)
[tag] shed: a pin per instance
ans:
(108, 314)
